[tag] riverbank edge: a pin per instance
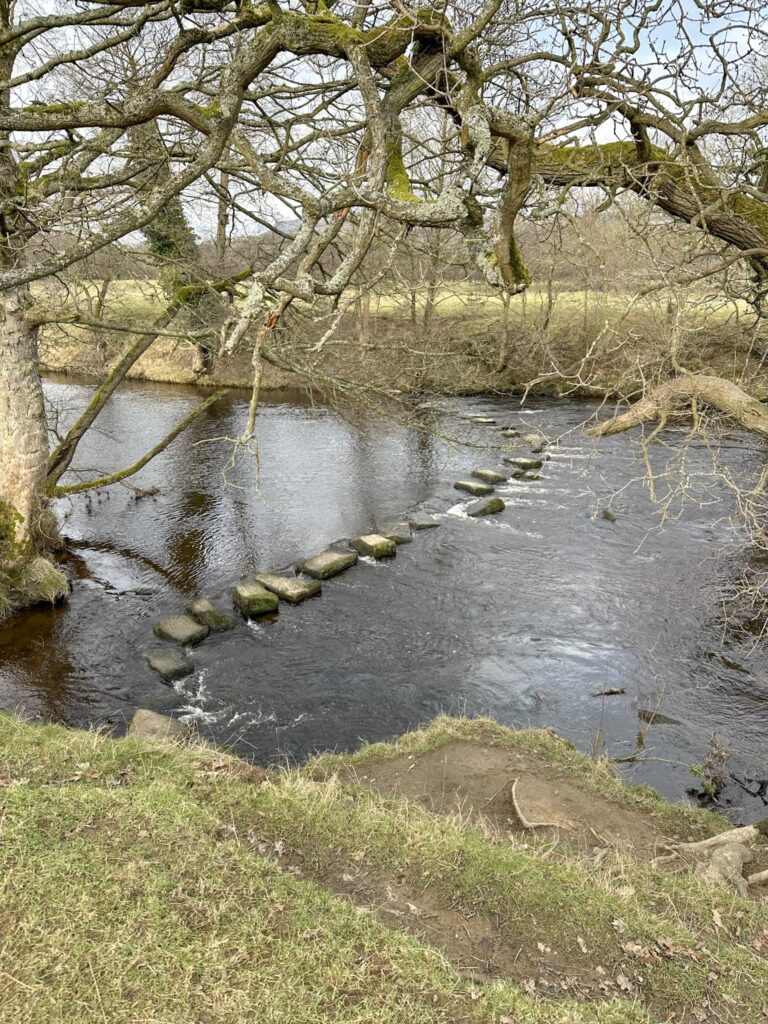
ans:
(180, 880)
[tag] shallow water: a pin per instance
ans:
(524, 616)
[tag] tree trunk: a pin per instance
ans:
(27, 528)
(23, 426)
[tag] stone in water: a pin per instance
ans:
(170, 664)
(328, 563)
(490, 476)
(485, 507)
(181, 629)
(293, 589)
(523, 463)
(253, 599)
(209, 615)
(472, 487)
(374, 545)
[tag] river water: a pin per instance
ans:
(523, 617)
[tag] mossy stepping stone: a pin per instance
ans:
(181, 629)
(253, 599)
(523, 463)
(374, 545)
(209, 615)
(170, 664)
(509, 432)
(328, 563)
(293, 589)
(473, 487)
(490, 476)
(485, 507)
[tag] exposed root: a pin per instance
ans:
(721, 858)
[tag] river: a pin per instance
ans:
(523, 617)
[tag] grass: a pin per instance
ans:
(140, 883)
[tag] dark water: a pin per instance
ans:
(523, 617)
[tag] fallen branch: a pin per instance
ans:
(674, 395)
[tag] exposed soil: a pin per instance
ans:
(475, 780)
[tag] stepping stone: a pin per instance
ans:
(170, 664)
(181, 629)
(293, 589)
(254, 599)
(328, 563)
(148, 725)
(509, 432)
(472, 487)
(400, 533)
(530, 476)
(209, 615)
(420, 523)
(484, 421)
(485, 507)
(490, 476)
(523, 463)
(374, 545)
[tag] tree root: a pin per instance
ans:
(721, 858)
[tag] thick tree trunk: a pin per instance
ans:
(23, 427)
(27, 528)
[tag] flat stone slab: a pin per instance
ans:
(523, 463)
(328, 563)
(490, 476)
(473, 487)
(374, 545)
(420, 523)
(293, 589)
(148, 725)
(181, 629)
(509, 432)
(485, 421)
(485, 507)
(254, 599)
(170, 664)
(209, 615)
(528, 475)
(400, 533)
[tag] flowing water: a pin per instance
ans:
(524, 616)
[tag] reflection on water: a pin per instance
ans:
(523, 617)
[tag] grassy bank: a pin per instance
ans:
(147, 882)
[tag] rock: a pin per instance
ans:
(490, 476)
(485, 421)
(530, 476)
(209, 615)
(400, 533)
(608, 516)
(509, 432)
(420, 523)
(473, 488)
(170, 664)
(293, 589)
(374, 545)
(328, 563)
(148, 725)
(523, 463)
(181, 629)
(485, 507)
(254, 599)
